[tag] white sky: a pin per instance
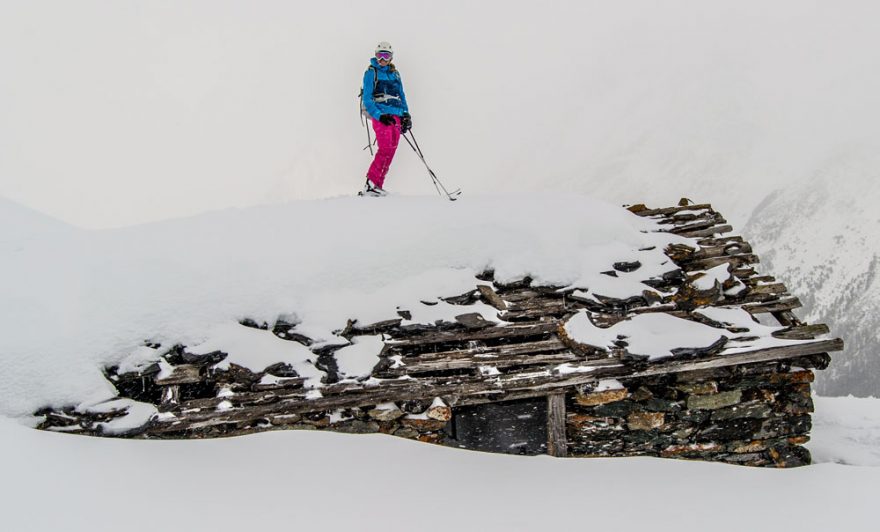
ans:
(119, 112)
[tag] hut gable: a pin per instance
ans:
(669, 352)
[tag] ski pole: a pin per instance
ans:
(414, 144)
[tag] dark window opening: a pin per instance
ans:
(512, 427)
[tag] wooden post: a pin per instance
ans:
(170, 396)
(556, 442)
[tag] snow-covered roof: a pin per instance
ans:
(663, 292)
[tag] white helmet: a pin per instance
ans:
(384, 46)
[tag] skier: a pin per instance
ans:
(385, 102)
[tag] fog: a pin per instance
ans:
(117, 112)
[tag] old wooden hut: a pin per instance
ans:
(710, 362)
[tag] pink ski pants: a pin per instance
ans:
(387, 137)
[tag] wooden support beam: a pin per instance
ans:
(556, 440)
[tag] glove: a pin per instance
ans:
(405, 123)
(386, 119)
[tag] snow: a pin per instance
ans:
(710, 277)
(137, 415)
(77, 301)
(655, 335)
(607, 384)
(652, 334)
(140, 358)
(131, 479)
(846, 430)
(567, 368)
(256, 349)
(359, 359)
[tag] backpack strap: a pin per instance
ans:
(375, 77)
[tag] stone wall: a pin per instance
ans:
(757, 416)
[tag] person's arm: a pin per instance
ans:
(402, 95)
(369, 83)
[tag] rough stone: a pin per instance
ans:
(356, 426)
(683, 434)
(755, 446)
(385, 414)
(795, 377)
(745, 458)
(689, 449)
(734, 429)
(642, 394)
(616, 409)
(696, 417)
(656, 404)
(714, 401)
(698, 388)
(440, 413)
(596, 448)
(285, 419)
(786, 426)
(406, 432)
(422, 425)
(753, 409)
(645, 420)
(429, 438)
(790, 456)
(601, 398)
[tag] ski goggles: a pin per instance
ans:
(384, 55)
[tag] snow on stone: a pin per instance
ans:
(256, 349)
(443, 311)
(655, 335)
(710, 277)
(139, 358)
(652, 334)
(137, 415)
(607, 384)
(359, 359)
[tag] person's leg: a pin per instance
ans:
(387, 138)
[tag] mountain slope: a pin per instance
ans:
(821, 240)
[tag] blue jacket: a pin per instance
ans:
(387, 84)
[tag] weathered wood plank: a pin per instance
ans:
(802, 332)
(707, 232)
(736, 260)
(777, 306)
(182, 374)
(773, 288)
(535, 383)
(556, 440)
(487, 353)
(491, 297)
(494, 333)
(668, 210)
